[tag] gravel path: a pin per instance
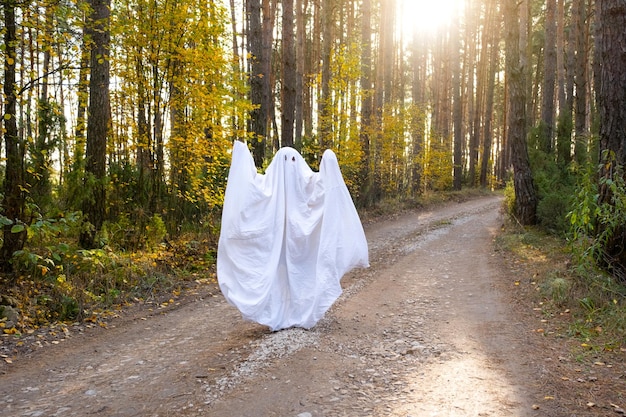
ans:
(425, 331)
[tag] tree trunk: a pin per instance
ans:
(442, 97)
(493, 27)
(312, 68)
(238, 67)
(418, 125)
(13, 201)
(387, 51)
(525, 194)
(366, 100)
(81, 111)
(158, 171)
(385, 150)
(267, 103)
(258, 122)
(43, 146)
(325, 104)
(549, 80)
(564, 71)
(526, 53)
(560, 53)
(581, 130)
(179, 152)
(233, 22)
(457, 105)
(288, 108)
(377, 113)
(479, 61)
(98, 123)
(382, 94)
(301, 11)
(145, 158)
(487, 126)
(611, 95)
(611, 67)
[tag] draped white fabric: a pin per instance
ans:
(287, 237)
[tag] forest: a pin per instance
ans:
(119, 118)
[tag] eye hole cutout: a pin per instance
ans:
(293, 158)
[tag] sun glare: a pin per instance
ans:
(428, 15)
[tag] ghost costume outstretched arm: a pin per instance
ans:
(287, 237)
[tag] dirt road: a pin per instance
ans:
(425, 331)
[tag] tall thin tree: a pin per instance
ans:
(457, 104)
(98, 121)
(566, 49)
(301, 49)
(579, 14)
(493, 29)
(325, 101)
(366, 100)
(418, 125)
(257, 120)
(288, 108)
(549, 79)
(43, 145)
(611, 95)
(14, 197)
(525, 193)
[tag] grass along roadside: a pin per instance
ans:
(576, 301)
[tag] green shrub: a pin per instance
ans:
(155, 231)
(555, 186)
(140, 233)
(552, 212)
(593, 224)
(557, 289)
(509, 198)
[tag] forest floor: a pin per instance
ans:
(441, 324)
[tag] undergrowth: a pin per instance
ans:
(590, 302)
(572, 248)
(57, 281)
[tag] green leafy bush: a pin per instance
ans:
(552, 212)
(593, 224)
(509, 198)
(155, 231)
(139, 233)
(555, 187)
(556, 288)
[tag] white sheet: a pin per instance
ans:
(287, 237)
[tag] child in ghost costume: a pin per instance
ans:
(287, 237)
